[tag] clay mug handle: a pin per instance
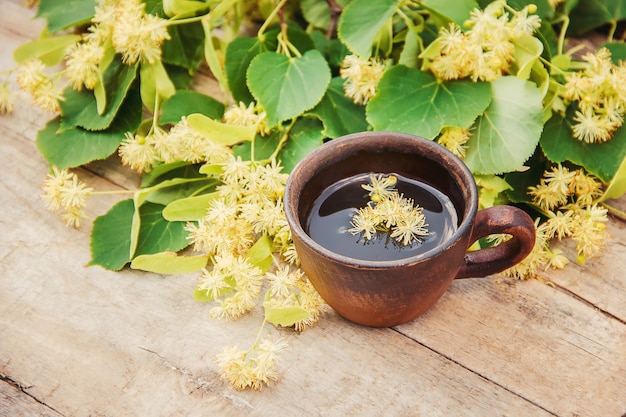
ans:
(495, 220)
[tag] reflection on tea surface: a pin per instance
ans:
(332, 211)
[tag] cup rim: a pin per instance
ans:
(293, 217)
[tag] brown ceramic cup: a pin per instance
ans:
(391, 292)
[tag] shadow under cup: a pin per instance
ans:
(391, 292)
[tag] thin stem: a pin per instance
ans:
(283, 140)
(612, 31)
(561, 41)
(335, 12)
(174, 21)
(258, 337)
(269, 19)
(615, 211)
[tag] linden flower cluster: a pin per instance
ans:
(486, 50)
(253, 367)
(184, 143)
(249, 206)
(63, 192)
(361, 77)
(455, 140)
(44, 89)
(389, 211)
(119, 24)
(600, 94)
(181, 143)
(568, 199)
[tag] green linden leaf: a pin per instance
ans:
(590, 14)
(508, 132)
(287, 87)
(181, 189)
(110, 237)
(264, 146)
(450, 10)
(177, 169)
(413, 101)
(361, 21)
(64, 14)
(618, 51)
(73, 146)
(306, 135)
(185, 102)
(169, 263)
(242, 50)
(601, 159)
(520, 181)
(338, 113)
(81, 109)
(157, 234)
(239, 54)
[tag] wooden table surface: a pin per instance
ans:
(83, 341)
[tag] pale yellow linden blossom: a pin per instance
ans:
(64, 192)
(380, 186)
(361, 77)
(455, 140)
(45, 92)
(390, 212)
(250, 115)
(138, 152)
(486, 50)
(82, 61)
(600, 93)
(251, 368)
(136, 35)
(568, 200)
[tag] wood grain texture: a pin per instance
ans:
(78, 341)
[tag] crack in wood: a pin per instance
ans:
(23, 389)
(480, 375)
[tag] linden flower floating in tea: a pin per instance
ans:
(390, 212)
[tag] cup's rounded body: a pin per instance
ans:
(381, 293)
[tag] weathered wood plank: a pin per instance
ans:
(14, 402)
(534, 340)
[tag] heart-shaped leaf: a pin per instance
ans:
(413, 101)
(508, 132)
(285, 86)
(360, 22)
